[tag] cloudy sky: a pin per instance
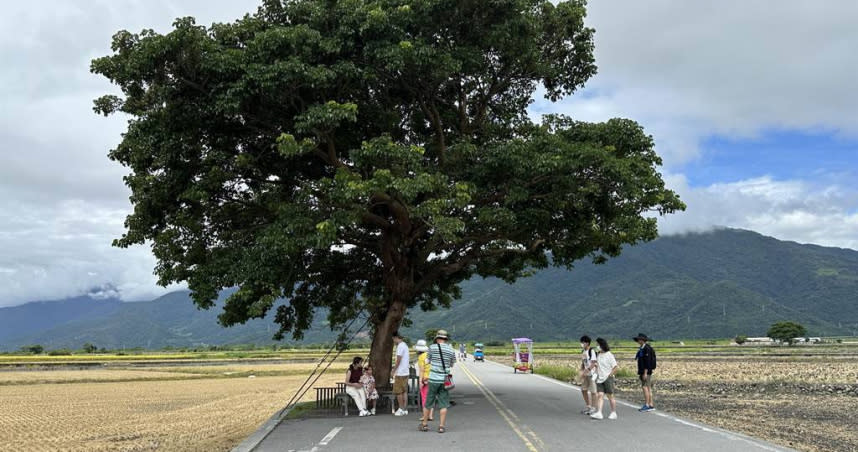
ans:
(752, 105)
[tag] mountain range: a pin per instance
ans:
(713, 284)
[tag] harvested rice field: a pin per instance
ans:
(196, 408)
(807, 403)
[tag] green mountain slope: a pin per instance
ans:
(714, 284)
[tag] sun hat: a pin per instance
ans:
(640, 336)
(441, 334)
(421, 346)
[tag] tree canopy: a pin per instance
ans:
(786, 331)
(368, 156)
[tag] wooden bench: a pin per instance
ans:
(414, 399)
(334, 397)
(326, 396)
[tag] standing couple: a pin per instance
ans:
(434, 363)
(597, 375)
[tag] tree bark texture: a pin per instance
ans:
(382, 344)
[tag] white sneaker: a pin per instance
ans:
(405, 412)
(399, 412)
(363, 413)
(613, 415)
(587, 410)
(372, 412)
(597, 415)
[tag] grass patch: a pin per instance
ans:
(301, 410)
(570, 373)
(557, 372)
(623, 372)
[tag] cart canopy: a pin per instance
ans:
(521, 340)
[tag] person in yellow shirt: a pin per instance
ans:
(423, 372)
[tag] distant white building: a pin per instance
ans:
(760, 340)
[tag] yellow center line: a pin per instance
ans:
(505, 412)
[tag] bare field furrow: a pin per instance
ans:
(206, 414)
(806, 404)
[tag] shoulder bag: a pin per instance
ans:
(448, 380)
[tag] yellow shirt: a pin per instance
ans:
(423, 360)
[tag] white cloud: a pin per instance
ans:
(62, 201)
(688, 70)
(787, 209)
(60, 250)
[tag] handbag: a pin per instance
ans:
(448, 380)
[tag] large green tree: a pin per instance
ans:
(368, 156)
(786, 331)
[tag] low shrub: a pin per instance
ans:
(557, 372)
(624, 372)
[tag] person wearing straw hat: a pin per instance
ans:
(423, 374)
(646, 363)
(441, 360)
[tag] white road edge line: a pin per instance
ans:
(330, 436)
(327, 439)
(726, 434)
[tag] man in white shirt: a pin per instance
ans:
(587, 375)
(400, 375)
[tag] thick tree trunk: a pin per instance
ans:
(382, 344)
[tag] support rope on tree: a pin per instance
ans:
(341, 347)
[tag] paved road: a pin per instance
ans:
(500, 411)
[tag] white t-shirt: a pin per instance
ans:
(587, 358)
(402, 351)
(607, 362)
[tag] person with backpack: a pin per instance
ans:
(587, 375)
(646, 364)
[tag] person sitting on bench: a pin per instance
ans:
(354, 387)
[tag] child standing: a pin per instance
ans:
(423, 373)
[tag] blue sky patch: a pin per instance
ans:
(815, 157)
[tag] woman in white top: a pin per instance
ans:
(606, 368)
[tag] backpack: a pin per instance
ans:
(592, 355)
(654, 360)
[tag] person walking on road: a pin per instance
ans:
(587, 375)
(606, 368)
(462, 350)
(400, 375)
(354, 387)
(442, 357)
(646, 363)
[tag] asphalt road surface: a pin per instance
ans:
(497, 410)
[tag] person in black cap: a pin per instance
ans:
(646, 363)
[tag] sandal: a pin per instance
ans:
(430, 419)
(441, 429)
(423, 428)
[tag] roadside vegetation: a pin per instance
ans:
(808, 391)
(211, 399)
